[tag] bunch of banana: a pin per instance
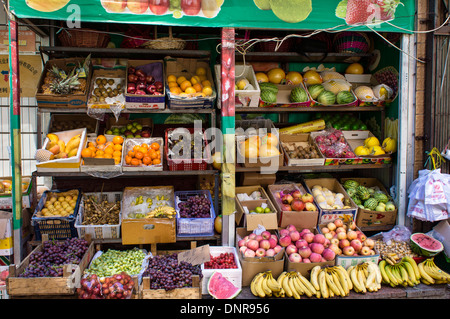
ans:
(162, 212)
(330, 281)
(295, 285)
(150, 202)
(365, 277)
(265, 285)
(431, 273)
(404, 272)
(139, 200)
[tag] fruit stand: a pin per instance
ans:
(307, 168)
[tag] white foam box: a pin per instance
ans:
(27, 194)
(243, 98)
(234, 275)
(71, 164)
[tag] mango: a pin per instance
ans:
(73, 152)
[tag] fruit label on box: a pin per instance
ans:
(195, 256)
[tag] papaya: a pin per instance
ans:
(48, 5)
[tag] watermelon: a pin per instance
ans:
(425, 245)
(350, 183)
(371, 204)
(326, 98)
(315, 89)
(351, 192)
(356, 200)
(362, 192)
(381, 197)
(269, 96)
(344, 97)
(298, 95)
(263, 86)
(220, 287)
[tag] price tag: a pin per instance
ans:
(195, 256)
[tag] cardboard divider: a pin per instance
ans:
(290, 141)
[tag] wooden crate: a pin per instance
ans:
(47, 286)
(194, 292)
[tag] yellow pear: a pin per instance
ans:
(249, 150)
(267, 150)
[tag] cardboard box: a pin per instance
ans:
(187, 67)
(329, 215)
(295, 140)
(118, 75)
(253, 266)
(66, 122)
(30, 68)
(147, 101)
(233, 275)
(283, 100)
(251, 221)
(63, 100)
(356, 138)
(249, 179)
(370, 218)
(303, 219)
(243, 98)
(367, 80)
(71, 164)
(137, 231)
(6, 233)
(27, 194)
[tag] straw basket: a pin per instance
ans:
(166, 43)
(84, 38)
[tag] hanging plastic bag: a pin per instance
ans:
(398, 233)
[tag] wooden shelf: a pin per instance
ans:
(128, 173)
(307, 169)
(309, 109)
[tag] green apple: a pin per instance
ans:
(259, 210)
(129, 126)
(267, 210)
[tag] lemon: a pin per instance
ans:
(371, 141)
(241, 84)
(362, 151)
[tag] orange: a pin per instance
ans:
(118, 139)
(181, 79)
(173, 85)
(131, 153)
(171, 78)
(146, 160)
(134, 162)
(175, 90)
(206, 83)
(117, 160)
(207, 90)
(86, 152)
(93, 149)
(109, 150)
(200, 94)
(195, 79)
(99, 156)
(107, 155)
(144, 145)
(101, 139)
(156, 161)
(190, 90)
(185, 84)
(136, 148)
(101, 147)
(109, 144)
(139, 155)
(117, 154)
(198, 87)
(143, 150)
(128, 159)
(154, 146)
(92, 144)
(200, 71)
(117, 147)
(99, 153)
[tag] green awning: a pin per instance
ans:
(396, 16)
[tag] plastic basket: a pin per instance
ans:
(187, 227)
(57, 228)
(99, 231)
(185, 164)
(351, 42)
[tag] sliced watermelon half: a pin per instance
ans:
(220, 287)
(425, 245)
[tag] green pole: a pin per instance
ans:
(16, 158)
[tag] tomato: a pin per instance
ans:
(191, 7)
(159, 7)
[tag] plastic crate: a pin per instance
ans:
(185, 164)
(57, 228)
(99, 231)
(194, 226)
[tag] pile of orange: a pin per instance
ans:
(196, 85)
(101, 148)
(144, 154)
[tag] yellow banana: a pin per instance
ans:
(392, 279)
(346, 273)
(413, 263)
(280, 278)
(370, 281)
(434, 271)
(337, 282)
(404, 275)
(362, 279)
(323, 285)
(252, 284)
(424, 275)
(307, 284)
(397, 275)
(411, 274)
(382, 266)
(258, 287)
(342, 276)
(314, 277)
(272, 283)
(331, 284)
(295, 293)
(298, 285)
(287, 287)
(264, 286)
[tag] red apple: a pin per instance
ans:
(295, 258)
(365, 251)
(348, 251)
(115, 6)
(344, 243)
(301, 243)
(287, 199)
(191, 7)
(362, 237)
(265, 244)
(291, 227)
(266, 234)
(159, 7)
(305, 252)
(369, 242)
(290, 249)
(253, 244)
(356, 244)
(273, 242)
(338, 222)
(351, 234)
(270, 252)
(284, 232)
(295, 235)
(249, 253)
(137, 6)
(285, 241)
(260, 252)
(286, 207)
